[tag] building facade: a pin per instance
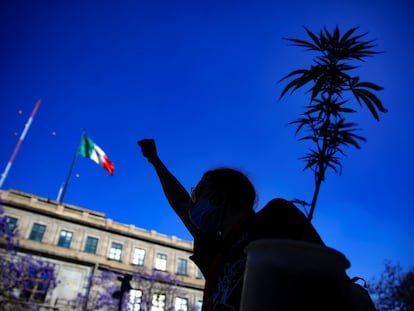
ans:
(85, 245)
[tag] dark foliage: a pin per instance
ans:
(394, 290)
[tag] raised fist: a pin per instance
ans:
(148, 149)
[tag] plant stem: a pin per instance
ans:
(318, 183)
(320, 174)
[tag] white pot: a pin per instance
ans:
(292, 275)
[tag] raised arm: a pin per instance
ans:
(174, 191)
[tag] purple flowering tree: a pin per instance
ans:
(26, 281)
(149, 291)
(98, 292)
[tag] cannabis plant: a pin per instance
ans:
(333, 90)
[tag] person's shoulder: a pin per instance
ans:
(276, 202)
(281, 218)
(280, 212)
(276, 205)
(277, 219)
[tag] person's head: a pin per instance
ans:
(221, 199)
(226, 187)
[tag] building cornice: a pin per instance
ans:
(83, 216)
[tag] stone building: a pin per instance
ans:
(83, 243)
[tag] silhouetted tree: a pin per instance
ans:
(394, 290)
(330, 81)
(405, 292)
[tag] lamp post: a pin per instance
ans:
(125, 287)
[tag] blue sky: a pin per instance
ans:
(201, 78)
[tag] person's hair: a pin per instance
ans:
(233, 187)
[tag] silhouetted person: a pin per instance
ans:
(219, 213)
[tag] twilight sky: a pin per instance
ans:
(201, 77)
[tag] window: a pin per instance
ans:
(161, 262)
(181, 304)
(115, 251)
(182, 266)
(11, 224)
(199, 305)
(91, 245)
(158, 302)
(65, 238)
(199, 274)
(139, 256)
(36, 285)
(135, 298)
(37, 232)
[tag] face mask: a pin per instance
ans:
(205, 217)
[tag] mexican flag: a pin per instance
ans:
(92, 151)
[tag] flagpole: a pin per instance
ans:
(19, 143)
(64, 187)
